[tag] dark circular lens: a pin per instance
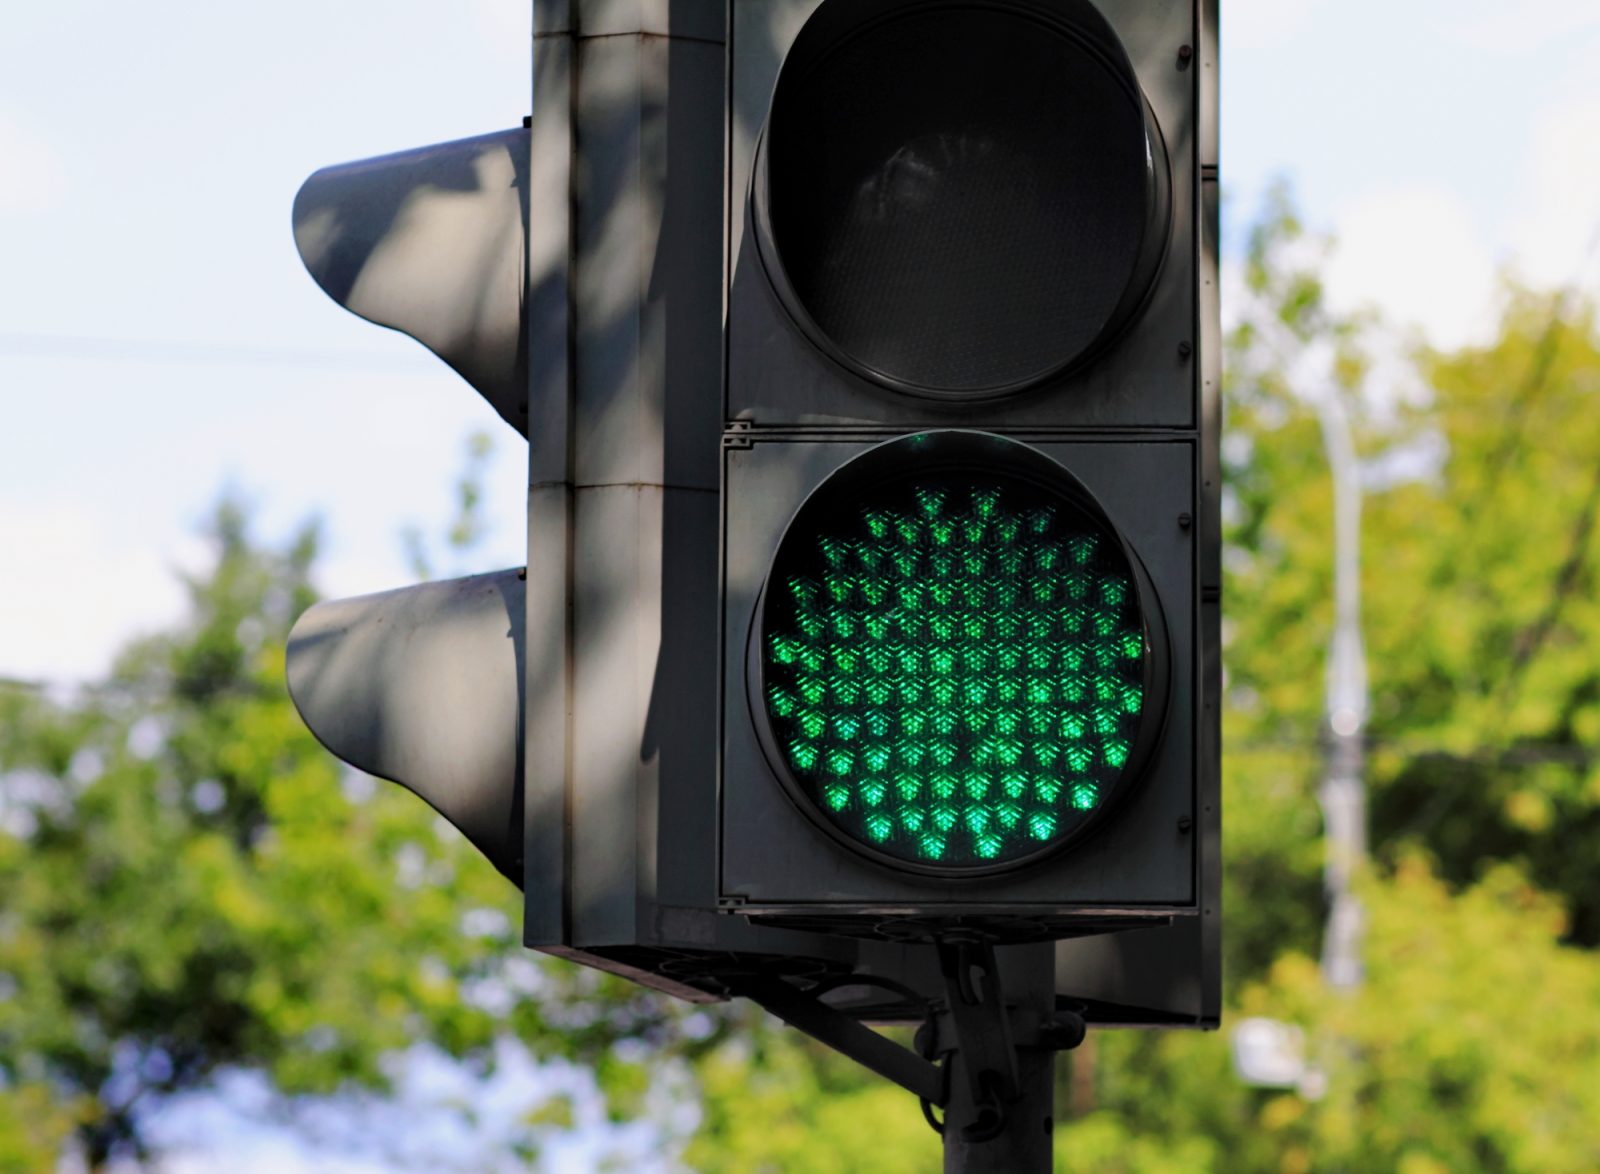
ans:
(954, 665)
(958, 196)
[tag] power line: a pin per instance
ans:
(102, 348)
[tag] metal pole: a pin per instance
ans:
(1012, 1133)
(1343, 792)
(1023, 1145)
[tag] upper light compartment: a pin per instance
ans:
(960, 200)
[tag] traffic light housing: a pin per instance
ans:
(970, 505)
(769, 283)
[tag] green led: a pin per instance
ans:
(954, 669)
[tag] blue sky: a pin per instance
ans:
(159, 341)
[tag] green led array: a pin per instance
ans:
(954, 673)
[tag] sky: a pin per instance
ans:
(160, 343)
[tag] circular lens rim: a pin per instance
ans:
(942, 452)
(830, 27)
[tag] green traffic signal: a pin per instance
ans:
(954, 666)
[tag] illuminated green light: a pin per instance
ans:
(954, 667)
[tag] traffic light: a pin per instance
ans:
(867, 652)
(969, 489)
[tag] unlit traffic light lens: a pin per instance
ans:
(960, 199)
(954, 667)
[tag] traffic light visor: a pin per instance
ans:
(958, 663)
(959, 200)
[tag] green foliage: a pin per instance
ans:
(188, 886)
